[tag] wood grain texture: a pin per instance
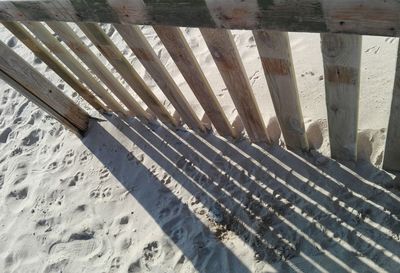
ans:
(73, 64)
(342, 57)
(185, 60)
(391, 159)
(372, 17)
(276, 59)
(22, 76)
(146, 55)
(98, 68)
(224, 52)
(40, 51)
(109, 50)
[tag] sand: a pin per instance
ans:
(130, 197)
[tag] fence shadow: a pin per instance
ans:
(295, 215)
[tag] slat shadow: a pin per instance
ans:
(294, 215)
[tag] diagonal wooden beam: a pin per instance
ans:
(40, 51)
(90, 59)
(109, 50)
(227, 58)
(29, 82)
(185, 60)
(146, 55)
(73, 64)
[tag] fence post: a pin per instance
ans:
(276, 59)
(342, 57)
(391, 159)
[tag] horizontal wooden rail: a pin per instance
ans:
(370, 17)
(29, 82)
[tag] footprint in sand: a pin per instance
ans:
(374, 50)
(85, 156)
(32, 138)
(69, 158)
(150, 257)
(101, 193)
(19, 194)
(115, 264)
(254, 77)
(104, 173)
(73, 180)
(390, 40)
(4, 134)
(79, 246)
(12, 42)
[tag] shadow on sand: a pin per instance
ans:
(294, 215)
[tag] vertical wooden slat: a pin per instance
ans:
(146, 55)
(224, 52)
(40, 51)
(185, 60)
(391, 159)
(121, 64)
(276, 59)
(342, 57)
(23, 77)
(90, 59)
(68, 60)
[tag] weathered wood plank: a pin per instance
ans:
(122, 65)
(224, 52)
(391, 159)
(90, 59)
(40, 51)
(146, 55)
(342, 57)
(372, 17)
(68, 60)
(23, 77)
(276, 59)
(185, 60)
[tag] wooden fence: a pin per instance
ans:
(340, 23)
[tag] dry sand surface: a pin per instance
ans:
(135, 198)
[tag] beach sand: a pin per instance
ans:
(131, 197)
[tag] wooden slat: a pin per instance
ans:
(391, 159)
(40, 51)
(372, 17)
(146, 55)
(68, 60)
(185, 60)
(276, 59)
(121, 64)
(224, 52)
(90, 59)
(23, 77)
(342, 57)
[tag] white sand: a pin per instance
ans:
(130, 198)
